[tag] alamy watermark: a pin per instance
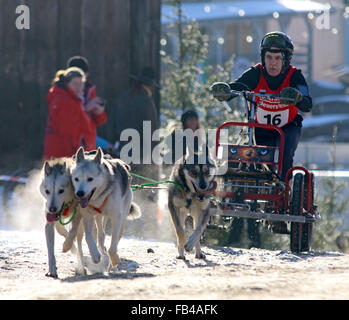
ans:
(162, 147)
(23, 17)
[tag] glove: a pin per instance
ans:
(290, 96)
(220, 91)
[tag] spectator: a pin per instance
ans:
(94, 105)
(131, 109)
(67, 121)
(189, 120)
(135, 106)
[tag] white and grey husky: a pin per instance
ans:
(102, 186)
(57, 189)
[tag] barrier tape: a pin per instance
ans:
(13, 179)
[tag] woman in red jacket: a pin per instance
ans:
(67, 121)
(94, 106)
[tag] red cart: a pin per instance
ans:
(250, 185)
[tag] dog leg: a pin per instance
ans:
(178, 223)
(201, 225)
(89, 222)
(63, 232)
(100, 233)
(198, 252)
(68, 243)
(50, 242)
(80, 269)
(116, 235)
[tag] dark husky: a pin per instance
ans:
(194, 173)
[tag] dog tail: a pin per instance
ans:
(135, 212)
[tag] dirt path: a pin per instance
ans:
(227, 273)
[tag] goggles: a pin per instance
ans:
(274, 40)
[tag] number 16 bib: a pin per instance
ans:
(272, 111)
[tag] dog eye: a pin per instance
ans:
(47, 191)
(193, 173)
(60, 191)
(89, 179)
(76, 179)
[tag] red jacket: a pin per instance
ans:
(96, 120)
(67, 122)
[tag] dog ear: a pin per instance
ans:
(63, 168)
(80, 156)
(99, 156)
(47, 168)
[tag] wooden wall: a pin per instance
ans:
(118, 37)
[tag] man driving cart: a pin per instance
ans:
(274, 75)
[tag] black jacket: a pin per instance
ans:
(250, 78)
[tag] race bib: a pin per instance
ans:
(277, 117)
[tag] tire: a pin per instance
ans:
(296, 209)
(307, 229)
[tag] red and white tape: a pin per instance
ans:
(14, 179)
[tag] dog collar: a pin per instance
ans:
(100, 209)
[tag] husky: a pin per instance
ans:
(194, 175)
(57, 189)
(102, 186)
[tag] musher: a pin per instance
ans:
(275, 75)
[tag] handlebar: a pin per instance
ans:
(248, 95)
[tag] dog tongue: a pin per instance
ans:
(84, 202)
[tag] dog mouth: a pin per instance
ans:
(54, 216)
(209, 188)
(85, 200)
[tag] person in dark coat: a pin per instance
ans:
(135, 106)
(131, 109)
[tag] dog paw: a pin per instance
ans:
(200, 256)
(188, 247)
(81, 271)
(51, 275)
(96, 258)
(114, 259)
(180, 257)
(67, 245)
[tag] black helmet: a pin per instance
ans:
(189, 114)
(279, 40)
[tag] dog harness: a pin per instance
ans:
(100, 209)
(272, 111)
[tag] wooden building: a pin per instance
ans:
(118, 37)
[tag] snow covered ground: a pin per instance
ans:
(226, 273)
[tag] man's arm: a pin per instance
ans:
(247, 81)
(298, 81)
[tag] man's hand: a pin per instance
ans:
(220, 91)
(290, 96)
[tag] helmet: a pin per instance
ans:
(189, 114)
(281, 42)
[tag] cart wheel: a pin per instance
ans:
(307, 228)
(296, 209)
